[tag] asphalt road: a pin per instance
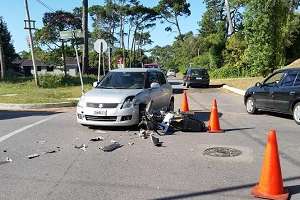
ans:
(179, 170)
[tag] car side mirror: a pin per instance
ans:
(258, 84)
(95, 84)
(154, 85)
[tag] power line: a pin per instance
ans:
(45, 5)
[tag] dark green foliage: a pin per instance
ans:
(8, 48)
(54, 81)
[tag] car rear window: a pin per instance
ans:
(198, 72)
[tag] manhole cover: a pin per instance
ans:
(222, 152)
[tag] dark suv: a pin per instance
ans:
(196, 77)
(279, 92)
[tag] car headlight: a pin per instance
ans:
(129, 102)
(81, 102)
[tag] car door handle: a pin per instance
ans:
(292, 93)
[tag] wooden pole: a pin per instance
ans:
(31, 43)
(2, 63)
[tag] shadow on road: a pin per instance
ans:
(4, 115)
(203, 115)
(275, 114)
(295, 190)
(237, 129)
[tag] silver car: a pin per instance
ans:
(121, 96)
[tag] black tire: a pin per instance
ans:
(188, 85)
(184, 83)
(250, 105)
(296, 113)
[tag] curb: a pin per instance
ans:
(4, 106)
(234, 90)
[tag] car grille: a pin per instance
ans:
(102, 105)
(101, 118)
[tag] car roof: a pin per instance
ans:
(198, 68)
(288, 69)
(134, 70)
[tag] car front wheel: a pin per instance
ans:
(296, 113)
(250, 105)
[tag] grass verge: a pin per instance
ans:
(241, 83)
(27, 93)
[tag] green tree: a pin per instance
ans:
(48, 36)
(170, 11)
(264, 33)
(9, 53)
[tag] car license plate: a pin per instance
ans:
(100, 112)
(199, 78)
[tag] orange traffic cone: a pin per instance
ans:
(184, 103)
(270, 185)
(214, 124)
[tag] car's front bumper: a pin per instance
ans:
(113, 117)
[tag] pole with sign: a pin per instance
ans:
(100, 46)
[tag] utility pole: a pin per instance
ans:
(85, 54)
(28, 26)
(230, 25)
(2, 63)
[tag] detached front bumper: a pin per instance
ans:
(112, 117)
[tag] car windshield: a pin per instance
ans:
(123, 80)
(198, 72)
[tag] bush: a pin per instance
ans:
(225, 72)
(54, 81)
(51, 81)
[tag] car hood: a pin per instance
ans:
(110, 95)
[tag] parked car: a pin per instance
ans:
(122, 95)
(171, 72)
(279, 92)
(196, 77)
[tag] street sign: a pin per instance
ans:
(100, 43)
(66, 35)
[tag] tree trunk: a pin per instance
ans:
(178, 28)
(85, 54)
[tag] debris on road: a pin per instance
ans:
(41, 141)
(35, 155)
(97, 139)
(7, 160)
(143, 134)
(4, 151)
(131, 143)
(82, 147)
(52, 151)
(113, 146)
(156, 141)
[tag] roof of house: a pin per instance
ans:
(28, 62)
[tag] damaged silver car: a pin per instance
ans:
(120, 98)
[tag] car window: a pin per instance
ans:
(152, 78)
(161, 78)
(123, 80)
(198, 72)
(297, 81)
(289, 79)
(274, 79)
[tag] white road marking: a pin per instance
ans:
(5, 137)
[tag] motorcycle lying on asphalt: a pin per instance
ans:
(168, 122)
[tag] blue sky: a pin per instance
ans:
(13, 13)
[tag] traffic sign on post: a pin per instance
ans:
(66, 35)
(100, 43)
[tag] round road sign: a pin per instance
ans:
(100, 43)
